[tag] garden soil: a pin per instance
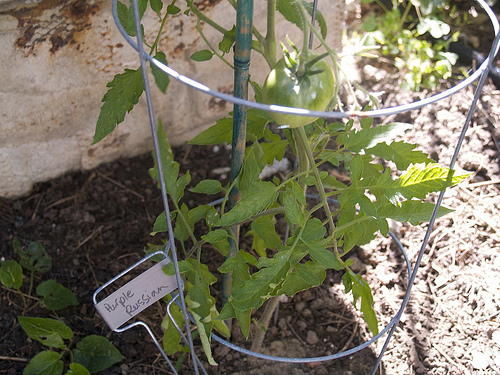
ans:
(95, 224)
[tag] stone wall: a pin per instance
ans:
(56, 58)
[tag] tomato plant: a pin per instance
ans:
(320, 238)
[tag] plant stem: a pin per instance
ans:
(304, 144)
(269, 42)
(263, 323)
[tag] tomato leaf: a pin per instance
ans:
(412, 211)
(175, 185)
(323, 256)
(264, 228)
(294, 212)
(126, 16)
(201, 304)
(203, 55)
(360, 289)
(157, 6)
(258, 198)
(228, 40)
(356, 141)
(421, 179)
(222, 131)
(219, 239)
(304, 276)
(162, 79)
(171, 336)
(207, 187)
(401, 153)
(290, 11)
(124, 92)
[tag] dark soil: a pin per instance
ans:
(95, 224)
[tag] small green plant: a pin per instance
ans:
(321, 235)
(34, 258)
(419, 46)
(89, 356)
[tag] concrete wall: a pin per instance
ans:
(56, 58)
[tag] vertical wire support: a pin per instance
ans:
(242, 50)
(313, 21)
(161, 177)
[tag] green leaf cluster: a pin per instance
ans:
(35, 258)
(422, 61)
(92, 354)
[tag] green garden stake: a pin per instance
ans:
(242, 49)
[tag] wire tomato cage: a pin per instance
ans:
(170, 254)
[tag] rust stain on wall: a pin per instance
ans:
(58, 21)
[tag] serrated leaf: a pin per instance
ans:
(294, 212)
(367, 138)
(252, 167)
(201, 304)
(411, 211)
(244, 318)
(207, 187)
(421, 179)
(304, 276)
(162, 79)
(314, 230)
(401, 153)
(55, 296)
(181, 228)
(259, 197)
(47, 331)
(263, 284)
(222, 131)
(171, 336)
(124, 92)
(265, 229)
(323, 256)
(160, 224)
(219, 239)
(77, 369)
(203, 55)
(96, 353)
(360, 289)
(45, 363)
(356, 168)
(126, 15)
(290, 11)
(175, 185)
(11, 274)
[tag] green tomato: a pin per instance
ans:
(313, 90)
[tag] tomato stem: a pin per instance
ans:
(269, 41)
(303, 144)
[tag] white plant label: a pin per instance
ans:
(137, 295)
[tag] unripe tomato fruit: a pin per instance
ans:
(313, 90)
